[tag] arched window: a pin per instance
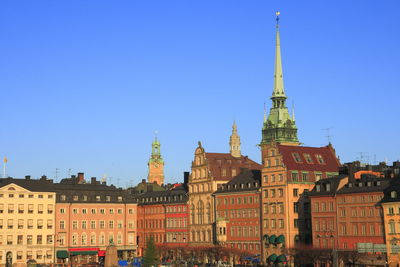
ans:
(192, 214)
(200, 212)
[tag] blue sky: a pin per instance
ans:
(84, 84)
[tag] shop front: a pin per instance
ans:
(80, 256)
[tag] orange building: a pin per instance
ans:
(346, 216)
(90, 216)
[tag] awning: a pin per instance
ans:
(83, 252)
(272, 239)
(280, 239)
(272, 257)
(102, 253)
(62, 254)
(281, 258)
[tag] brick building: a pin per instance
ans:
(347, 216)
(237, 213)
(163, 215)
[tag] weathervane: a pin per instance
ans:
(277, 17)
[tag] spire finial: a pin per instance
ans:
(277, 18)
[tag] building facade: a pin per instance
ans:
(209, 170)
(27, 222)
(237, 213)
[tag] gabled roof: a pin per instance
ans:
(219, 161)
(330, 164)
(247, 180)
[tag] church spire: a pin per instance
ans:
(279, 90)
(280, 125)
(234, 142)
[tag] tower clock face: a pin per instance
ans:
(156, 165)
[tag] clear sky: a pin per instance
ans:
(84, 84)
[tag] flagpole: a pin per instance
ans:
(4, 167)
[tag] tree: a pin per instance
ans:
(150, 255)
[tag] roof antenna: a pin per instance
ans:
(328, 134)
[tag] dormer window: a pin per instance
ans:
(297, 157)
(241, 185)
(350, 185)
(378, 183)
(320, 159)
(393, 194)
(318, 188)
(369, 184)
(308, 158)
(328, 187)
(360, 184)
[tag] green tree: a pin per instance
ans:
(150, 255)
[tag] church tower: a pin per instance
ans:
(234, 142)
(156, 164)
(279, 126)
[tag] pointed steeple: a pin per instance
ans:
(234, 142)
(279, 126)
(279, 90)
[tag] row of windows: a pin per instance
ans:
(92, 239)
(94, 210)
(176, 222)
(392, 227)
(175, 209)
(85, 198)
(20, 208)
(273, 208)
(273, 178)
(200, 188)
(360, 199)
(362, 212)
(25, 196)
(29, 224)
(177, 237)
(152, 210)
(273, 193)
(361, 229)
(38, 255)
(201, 236)
(158, 238)
(246, 246)
(325, 242)
(323, 206)
(152, 223)
(237, 200)
(391, 210)
(324, 225)
(245, 231)
(280, 223)
(102, 225)
(241, 213)
(28, 240)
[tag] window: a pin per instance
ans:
(29, 239)
(280, 192)
(92, 224)
(392, 227)
(119, 211)
(19, 240)
(102, 224)
(391, 211)
(320, 159)
(84, 211)
(272, 178)
(297, 157)
(39, 239)
(63, 197)
(295, 177)
(111, 211)
(30, 224)
(296, 223)
(111, 224)
(75, 211)
(281, 224)
(316, 207)
(102, 211)
(308, 158)
(393, 194)
(318, 177)
(280, 177)
(295, 192)
(296, 207)
(20, 224)
(304, 176)
(75, 225)
(49, 239)
(75, 198)
(20, 208)
(62, 224)
(84, 225)
(265, 178)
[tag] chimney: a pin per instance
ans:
(43, 177)
(186, 178)
(143, 181)
(27, 177)
(93, 180)
(80, 177)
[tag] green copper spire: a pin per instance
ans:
(279, 126)
(279, 90)
(155, 151)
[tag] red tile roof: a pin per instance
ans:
(219, 161)
(330, 164)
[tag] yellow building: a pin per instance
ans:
(27, 216)
(391, 218)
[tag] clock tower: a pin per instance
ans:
(156, 164)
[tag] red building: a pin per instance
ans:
(238, 214)
(163, 215)
(346, 215)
